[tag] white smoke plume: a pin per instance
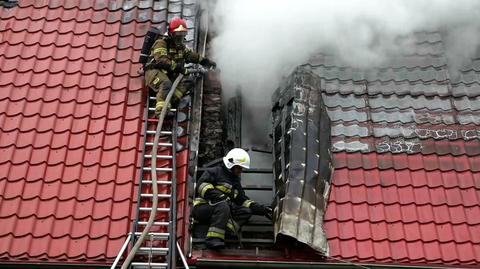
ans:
(259, 41)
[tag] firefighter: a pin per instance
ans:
(221, 202)
(167, 58)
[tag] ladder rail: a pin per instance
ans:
(202, 20)
(182, 257)
(172, 240)
(140, 184)
(120, 253)
(145, 140)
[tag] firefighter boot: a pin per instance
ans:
(161, 100)
(158, 108)
(215, 238)
(177, 95)
(214, 243)
(159, 83)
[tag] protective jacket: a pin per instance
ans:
(167, 56)
(219, 183)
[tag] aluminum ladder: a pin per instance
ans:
(159, 248)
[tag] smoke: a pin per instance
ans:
(259, 42)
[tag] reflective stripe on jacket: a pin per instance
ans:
(220, 180)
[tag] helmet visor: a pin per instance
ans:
(179, 37)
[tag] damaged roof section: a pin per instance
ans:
(302, 161)
(405, 105)
(8, 3)
(405, 143)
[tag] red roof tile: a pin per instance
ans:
(71, 111)
(407, 161)
(404, 216)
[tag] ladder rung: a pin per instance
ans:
(257, 240)
(156, 223)
(258, 171)
(153, 108)
(146, 265)
(150, 132)
(258, 228)
(159, 209)
(158, 182)
(168, 169)
(149, 195)
(150, 144)
(163, 157)
(156, 236)
(258, 187)
(244, 240)
(155, 251)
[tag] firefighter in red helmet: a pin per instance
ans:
(167, 58)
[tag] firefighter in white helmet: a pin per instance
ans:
(221, 201)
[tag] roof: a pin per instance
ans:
(71, 114)
(405, 142)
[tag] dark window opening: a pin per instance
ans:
(8, 3)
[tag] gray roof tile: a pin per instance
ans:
(462, 89)
(395, 115)
(401, 145)
(427, 74)
(403, 104)
(398, 129)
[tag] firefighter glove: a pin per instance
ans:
(156, 65)
(208, 63)
(269, 212)
(180, 69)
(215, 196)
(260, 210)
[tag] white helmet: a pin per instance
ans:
(237, 156)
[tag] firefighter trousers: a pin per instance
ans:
(221, 217)
(160, 83)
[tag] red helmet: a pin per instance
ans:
(177, 25)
